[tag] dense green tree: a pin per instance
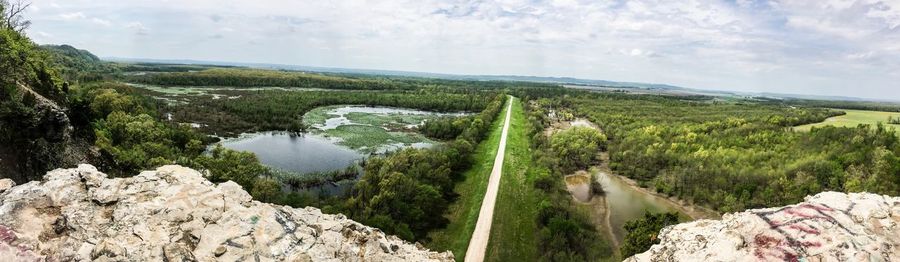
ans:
(266, 189)
(229, 165)
(577, 147)
(643, 233)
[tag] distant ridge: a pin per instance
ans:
(585, 83)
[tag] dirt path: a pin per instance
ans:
(479, 241)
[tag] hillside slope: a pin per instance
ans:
(829, 226)
(174, 214)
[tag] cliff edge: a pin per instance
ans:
(829, 226)
(174, 214)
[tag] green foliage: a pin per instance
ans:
(266, 189)
(644, 232)
(893, 121)
(445, 128)
(566, 236)
(577, 147)
(131, 143)
(230, 165)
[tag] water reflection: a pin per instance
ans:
(626, 204)
(303, 153)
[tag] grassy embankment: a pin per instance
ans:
(514, 227)
(463, 214)
(854, 118)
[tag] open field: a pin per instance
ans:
(854, 118)
(463, 214)
(514, 230)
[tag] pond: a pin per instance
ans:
(626, 203)
(303, 153)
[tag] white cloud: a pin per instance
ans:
(138, 28)
(862, 55)
(73, 16)
(101, 21)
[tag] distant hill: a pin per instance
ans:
(72, 52)
(76, 64)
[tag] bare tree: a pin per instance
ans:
(11, 14)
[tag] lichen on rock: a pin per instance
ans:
(174, 214)
(829, 226)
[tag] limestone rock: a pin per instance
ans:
(829, 226)
(6, 183)
(174, 214)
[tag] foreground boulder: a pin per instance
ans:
(829, 226)
(174, 214)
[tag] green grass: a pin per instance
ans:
(513, 232)
(318, 115)
(367, 134)
(387, 120)
(854, 118)
(463, 213)
(370, 138)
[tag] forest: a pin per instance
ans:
(734, 156)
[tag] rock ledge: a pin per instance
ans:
(829, 226)
(174, 214)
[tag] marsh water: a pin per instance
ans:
(339, 115)
(303, 153)
(316, 151)
(623, 202)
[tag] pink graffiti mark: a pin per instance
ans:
(8, 236)
(782, 242)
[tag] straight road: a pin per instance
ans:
(478, 243)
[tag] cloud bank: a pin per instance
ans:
(825, 47)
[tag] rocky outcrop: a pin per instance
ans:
(829, 226)
(174, 214)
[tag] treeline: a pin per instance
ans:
(406, 193)
(893, 121)
(445, 128)
(734, 156)
(246, 77)
(263, 78)
(284, 110)
(564, 233)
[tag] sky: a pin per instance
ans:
(819, 47)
